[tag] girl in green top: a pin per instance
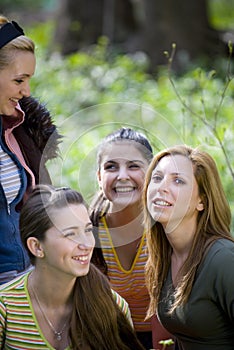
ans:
(189, 271)
(64, 302)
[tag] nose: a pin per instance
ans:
(84, 246)
(163, 186)
(123, 174)
(86, 242)
(25, 90)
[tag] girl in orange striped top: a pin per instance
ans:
(116, 213)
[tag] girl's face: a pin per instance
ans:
(172, 194)
(122, 172)
(69, 243)
(14, 82)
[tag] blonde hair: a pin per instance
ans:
(212, 223)
(8, 51)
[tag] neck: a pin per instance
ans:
(181, 235)
(53, 317)
(117, 217)
(46, 290)
(125, 227)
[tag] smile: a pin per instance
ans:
(162, 203)
(124, 189)
(81, 258)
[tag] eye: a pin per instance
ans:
(157, 178)
(69, 234)
(19, 81)
(89, 230)
(134, 166)
(179, 181)
(110, 166)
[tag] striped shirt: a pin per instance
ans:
(19, 329)
(9, 176)
(130, 284)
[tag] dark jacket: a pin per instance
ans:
(38, 139)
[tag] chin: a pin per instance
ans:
(84, 272)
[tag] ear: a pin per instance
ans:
(200, 205)
(35, 247)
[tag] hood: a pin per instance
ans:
(40, 127)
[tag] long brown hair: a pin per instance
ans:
(212, 223)
(97, 321)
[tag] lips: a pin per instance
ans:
(14, 100)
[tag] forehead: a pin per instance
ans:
(22, 63)
(70, 215)
(175, 164)
(124, 150)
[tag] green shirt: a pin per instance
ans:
(206, 321)
(19, 328)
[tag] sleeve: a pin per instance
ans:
(2, 323)
(121, 302)
(223, 265)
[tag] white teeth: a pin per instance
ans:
(124, 189)
(14, 100)
(80, 258)
(162, 203)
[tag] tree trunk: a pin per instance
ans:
(148, 25)
(182, 22)
(80, 23)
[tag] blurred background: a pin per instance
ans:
(164, 67)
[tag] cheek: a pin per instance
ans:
(142, 178)
(92, 242)
(149, 197)
(152, 188)
(107, 183)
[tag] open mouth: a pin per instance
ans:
(82, 258)
(162, 203)
(124, 189)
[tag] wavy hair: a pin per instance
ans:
(212, 223)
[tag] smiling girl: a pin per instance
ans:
(25, 128)
(116, 213)
(64, 302)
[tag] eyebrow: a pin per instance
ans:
(128, 161)
(76, 227)
(23, 75)
(136, 161)
(174, 173)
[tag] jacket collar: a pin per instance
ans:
(10, 122)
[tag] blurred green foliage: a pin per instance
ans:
(26, 5)
(93, 93)
(221, 13)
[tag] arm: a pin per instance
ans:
(2, 323)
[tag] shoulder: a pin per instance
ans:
(220, 257)
(221, 248)
(13, 286)
(12, 294)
